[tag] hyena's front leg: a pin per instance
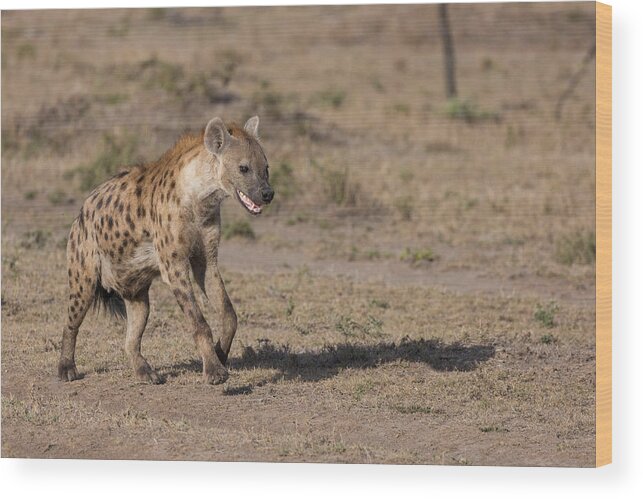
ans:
(228, 318)
(211, 235)
(178, 277)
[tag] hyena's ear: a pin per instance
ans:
(252, 127)
(216, 136)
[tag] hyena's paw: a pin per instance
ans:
(148, 375)
(215, 374)
(67, 371)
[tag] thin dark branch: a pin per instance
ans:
(449, 53)
(574, 80)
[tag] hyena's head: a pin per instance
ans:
(242, 167)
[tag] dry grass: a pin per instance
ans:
(383, 383)
(421, 291)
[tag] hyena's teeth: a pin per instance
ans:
(249, 203)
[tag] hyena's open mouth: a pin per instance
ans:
(248, 203)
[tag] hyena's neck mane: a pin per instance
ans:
(191, 144)
(186, 148)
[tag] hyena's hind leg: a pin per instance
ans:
(82, 270)
(138, 310)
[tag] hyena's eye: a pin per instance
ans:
(244, 168)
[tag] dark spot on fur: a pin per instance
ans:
(130, 222)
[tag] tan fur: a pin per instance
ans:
(163, 219)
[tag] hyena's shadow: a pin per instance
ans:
(316, 365)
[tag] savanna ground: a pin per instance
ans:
(422, 289)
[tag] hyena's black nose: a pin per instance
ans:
(267, 194)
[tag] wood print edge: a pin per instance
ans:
(603, 234)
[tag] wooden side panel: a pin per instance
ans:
(603, 234)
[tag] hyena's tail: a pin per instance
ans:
(111, 301)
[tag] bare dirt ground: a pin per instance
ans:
(422, 290)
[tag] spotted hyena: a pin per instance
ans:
(163, 218)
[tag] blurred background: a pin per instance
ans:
(494, 171)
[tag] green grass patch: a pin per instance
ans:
(402, 108)
(350, 327)
(418, 256)
(338, 188)
(111, 99)
(468, 111)
(362, 389)
(283, 182)
(161, 74)
(35, 239)
(117, 152)
(379, 303)
(331, 97)
(357, 253)
(493, 429)
(415, 409)
(57, 197)
(297, 219)
(26, 51)
(268, 101)
(546, 314)
(404, 206)
(578, 247)
(290, 307)
(239, 228)
(548, 339)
